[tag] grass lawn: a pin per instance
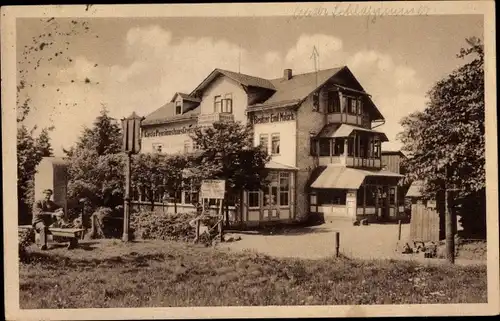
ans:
(164, 274)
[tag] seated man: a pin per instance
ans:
(43, 213)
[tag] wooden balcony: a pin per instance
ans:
(207, 119)
(350, 161)
(342, 118)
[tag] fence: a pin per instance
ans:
(425, 223)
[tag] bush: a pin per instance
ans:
(25, 239)
(174, 227)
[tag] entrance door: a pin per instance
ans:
(383, 203)
(351, 208)
(271, 205)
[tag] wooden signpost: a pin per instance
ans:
(214, 189)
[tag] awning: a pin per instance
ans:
(415, 189)
(344, 130)
(341, 177)
(275, 165)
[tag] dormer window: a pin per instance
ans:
(178, 107)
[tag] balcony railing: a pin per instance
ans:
(215, 117)
(350, 161)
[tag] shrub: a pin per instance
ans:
(174, 227)
(25, 239)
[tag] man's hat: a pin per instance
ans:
(48, 191)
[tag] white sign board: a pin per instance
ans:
(213, 189)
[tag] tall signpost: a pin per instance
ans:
(131, 127)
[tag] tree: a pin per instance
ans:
(50, 46)
(156, 174)
(226, 151)
(96, 165)
(445, 142)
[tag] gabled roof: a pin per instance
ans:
(185, 97)
(243, 79)
(299, 86)
(393, 152)
(167, 113)
(415, 189)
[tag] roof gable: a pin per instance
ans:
(242, 79)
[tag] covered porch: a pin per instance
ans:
(349, 193)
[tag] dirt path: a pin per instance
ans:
(375, 241)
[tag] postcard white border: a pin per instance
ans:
(8, 59)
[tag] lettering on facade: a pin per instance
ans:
(168, 132)
(273, 117)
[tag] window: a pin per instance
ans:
(264, 142)
(345, 103)
(187, 146)
(195, 146)
(359, 196)
(178, 107)
(362, 147)
(360, 106)
(191, 194)
(376, 148)
(324, 147)
(253, 199)
(271, 196)
(332, 196)
(316, 101)
(338, 147)
(275, 144)
(333, 102)
(392, 196)
(217, 104)
(350, 146)
(227, 103)
(284, 188)
(353, 106)
(157, 148)
(314, 150)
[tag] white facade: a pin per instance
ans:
(280, 124)
(164, 138)
(227, 89)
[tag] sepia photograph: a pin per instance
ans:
(310, 159)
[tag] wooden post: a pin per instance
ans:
(337, 243)
(126, 205)
(220, 221)
(450, 238)
(197, 229)
(399, 230)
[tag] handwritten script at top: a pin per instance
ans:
(354, 9)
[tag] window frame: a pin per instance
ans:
(227, 104)
(187, 146)
(281, 189)
(178, 104)
(258, 193)
(333, 102)
(217, 101)
(278, 149)
(266, 146)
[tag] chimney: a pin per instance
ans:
(287, 74)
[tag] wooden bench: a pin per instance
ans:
(73, 234)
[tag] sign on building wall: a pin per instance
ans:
(273, 117)
(168, 131)
(213, 189)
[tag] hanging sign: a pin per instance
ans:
(213, 189)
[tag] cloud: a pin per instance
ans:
(159, 66)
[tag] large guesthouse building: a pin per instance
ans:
(319, 129)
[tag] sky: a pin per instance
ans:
(137, 64)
